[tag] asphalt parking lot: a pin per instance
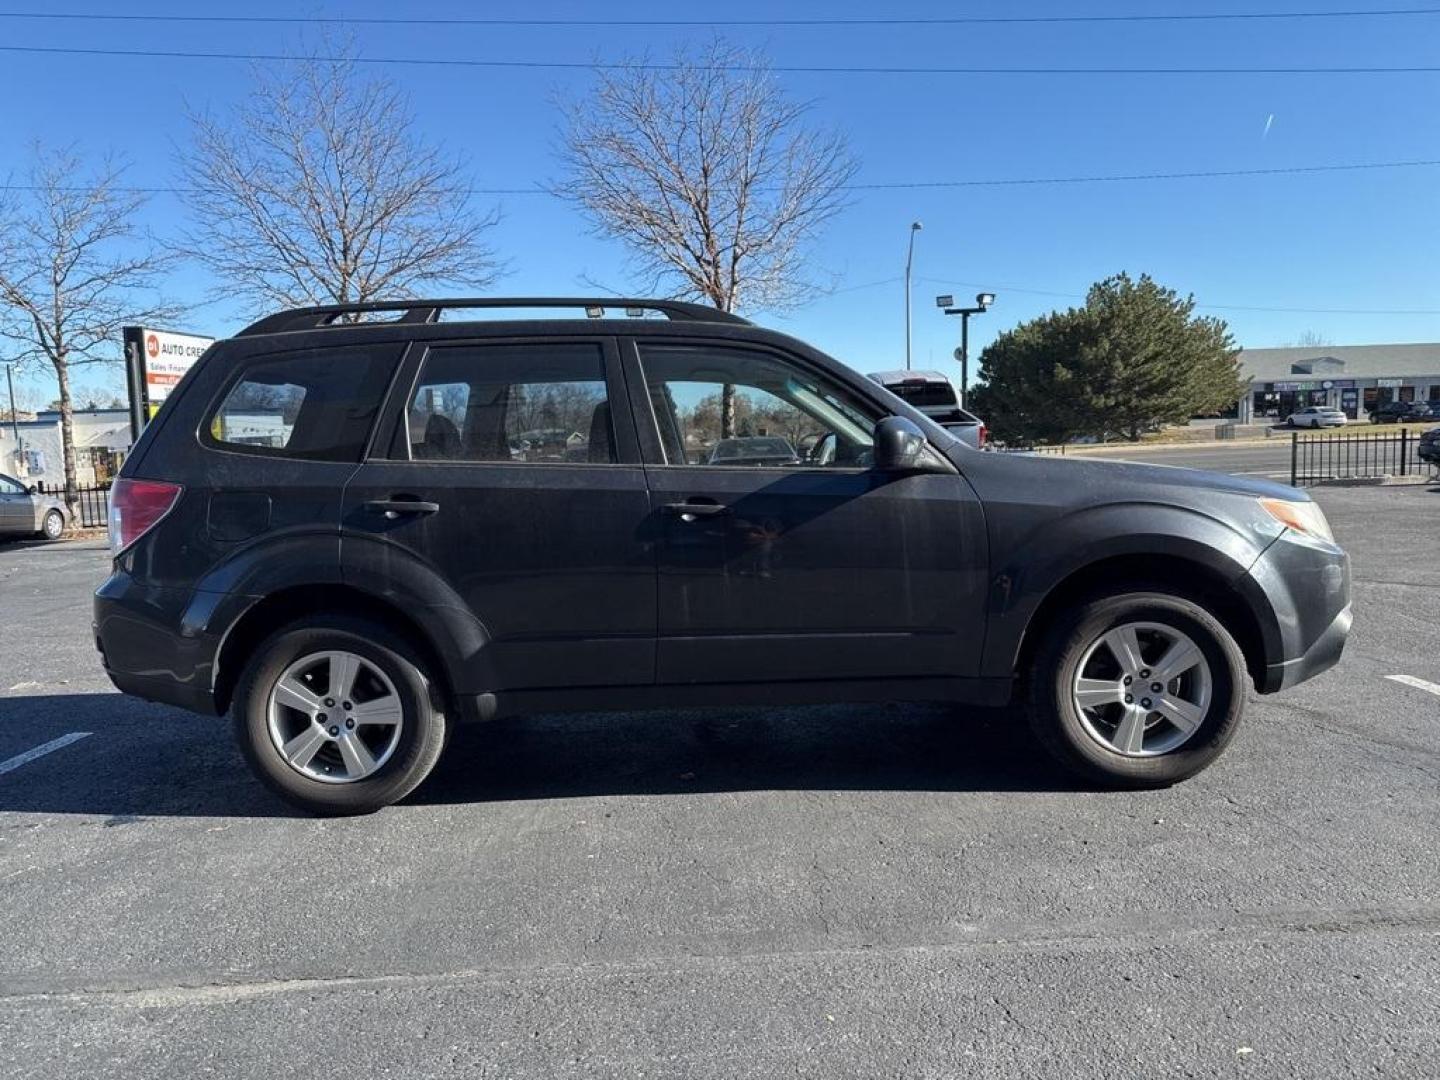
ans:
(891, 891)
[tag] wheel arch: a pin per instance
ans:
(1189, 578)
(286, 605)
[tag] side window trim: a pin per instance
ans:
(647, 422)
(394, 444)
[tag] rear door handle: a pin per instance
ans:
(691, 511)
(394, 508)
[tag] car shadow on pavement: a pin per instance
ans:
(860, 747)
(67, 546)
(139, 760)
(144, 760)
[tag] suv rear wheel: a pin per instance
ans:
(1138, 689)
(338, 716)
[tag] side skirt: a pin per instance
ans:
(980, 691)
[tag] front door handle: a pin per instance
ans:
(692, 511)
(393, 508)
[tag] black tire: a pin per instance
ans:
(422, 735)
(1056, 719)
(52, 526)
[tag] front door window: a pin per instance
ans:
(735, 408)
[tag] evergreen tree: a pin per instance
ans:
(1133, 358)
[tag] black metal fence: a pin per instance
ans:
(94, 502)
(1317, 458)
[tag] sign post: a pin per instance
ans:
(155, 360)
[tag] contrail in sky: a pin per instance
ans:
(1269, 120)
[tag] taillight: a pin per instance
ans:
(136, 507)
(980, 442)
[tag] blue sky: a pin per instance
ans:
(1352, 240)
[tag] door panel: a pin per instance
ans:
(821, 568)
(539, 511)
(809, 575)
(17, 512)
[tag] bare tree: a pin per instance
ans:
(73, 271)
(317, 190)
(26, 400)
(708, 174)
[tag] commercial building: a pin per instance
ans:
(1355, 378)
(102, 437)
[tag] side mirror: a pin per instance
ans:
(31, 490)
(899, 445)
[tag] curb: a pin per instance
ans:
(1373, 481)
(1141, 447)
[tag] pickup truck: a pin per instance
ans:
(934, 395)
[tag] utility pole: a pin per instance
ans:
(915, 227)
(14, 416)
(982, 304)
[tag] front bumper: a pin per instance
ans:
(1323, 654)
(1306, 589)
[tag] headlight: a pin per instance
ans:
(1305, 518)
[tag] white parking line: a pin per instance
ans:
(1419, 684)
(41, 750)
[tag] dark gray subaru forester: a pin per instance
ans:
(353, 527)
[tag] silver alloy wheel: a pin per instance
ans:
(53, 525)
(334, 717)
(1142, 689)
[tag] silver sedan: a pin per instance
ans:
(25, 512)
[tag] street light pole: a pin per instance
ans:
(982, 304)
(915, 227)
(964, 357)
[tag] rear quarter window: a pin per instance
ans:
(316, 404)
(924, 395)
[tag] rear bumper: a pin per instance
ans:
(166, 691)
(144, 645)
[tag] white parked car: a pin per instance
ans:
(1317, 416)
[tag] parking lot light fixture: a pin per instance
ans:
(982, 304)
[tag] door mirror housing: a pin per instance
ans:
(31, 490)
(900, 446)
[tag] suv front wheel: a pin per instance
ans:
(1138, 689)
(338, 716)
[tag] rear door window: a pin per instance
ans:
(924, 394)
(319, 404)
(521, 404)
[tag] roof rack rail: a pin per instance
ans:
(428, 311)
